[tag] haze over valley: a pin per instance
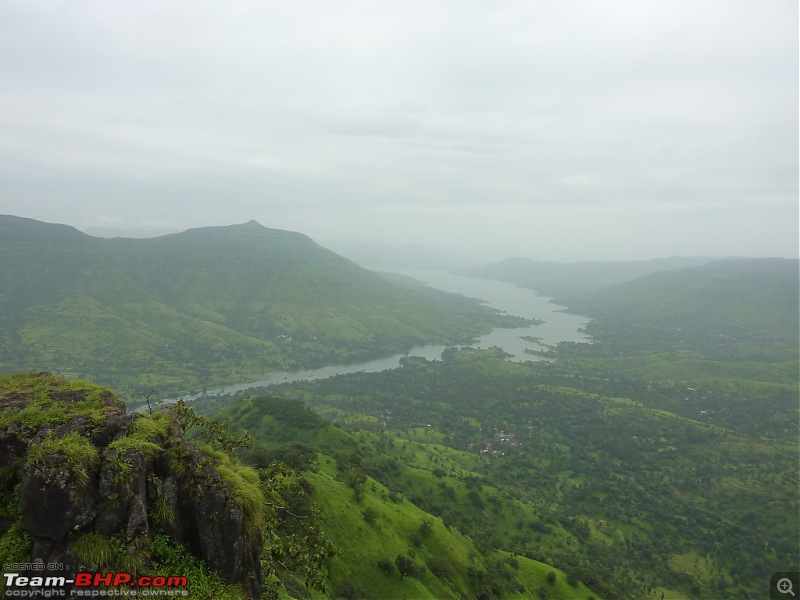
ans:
(470, 463)
(426, 300)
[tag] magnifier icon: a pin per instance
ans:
(785, 586)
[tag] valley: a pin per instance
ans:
(206, 307)
(649, 451)
(651, 473)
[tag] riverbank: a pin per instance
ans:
(536, 341)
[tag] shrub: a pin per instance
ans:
(407, 566)
(350, 590)
(386, 565)
(370, 515)
(440, 567)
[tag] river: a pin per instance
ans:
(558, 327)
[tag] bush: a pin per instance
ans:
(370, 515)
(350, 590)
(440, 567)
(386, 565)
(407, 566)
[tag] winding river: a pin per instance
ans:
(558, 326)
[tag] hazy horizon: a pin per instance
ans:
(388, 255)
(570, 131)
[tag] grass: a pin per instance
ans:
(173, 560)
(161, 513)
(80, 456)
(145, 434)
(94, 551)
(38, 399)
(444, 556)
(361, 544)
(244, 484)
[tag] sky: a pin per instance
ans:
(569, 130)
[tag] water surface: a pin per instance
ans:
(558, 326)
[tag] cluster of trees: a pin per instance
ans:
(603, 474)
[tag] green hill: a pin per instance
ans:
(593, 476)
(370, 492)
(744, 308)
(660, 460)
(204, 307)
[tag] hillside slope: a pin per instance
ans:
(389, 546)
(660, 460)
(202, 307)
(720, 309)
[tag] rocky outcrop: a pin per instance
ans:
(76, 466)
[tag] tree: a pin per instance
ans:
(385, 564)
(210, 431)
(406, 566)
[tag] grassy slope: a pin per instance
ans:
(722, 308)
(393, 531)
(451, 564)
(203, 307)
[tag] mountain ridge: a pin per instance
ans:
(558, 279)
(205, 306)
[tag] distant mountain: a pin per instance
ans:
(564, 279)
(202, 307)
(718, 307)
(674, 303)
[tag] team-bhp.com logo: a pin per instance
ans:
(93, 585)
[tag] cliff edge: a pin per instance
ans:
(86, 486)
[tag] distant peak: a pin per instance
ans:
(251, 228)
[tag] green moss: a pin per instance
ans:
(43, 395)
(34, 416)
(180, 459)
(137, 555)
(245, 487)
(80, 455)
(130, 444)
(144, 435)
(15, 544)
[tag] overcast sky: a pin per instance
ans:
(618, 129)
